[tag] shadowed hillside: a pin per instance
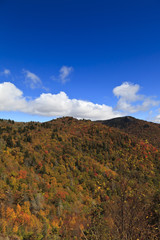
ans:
(77, 179)
(142, 129)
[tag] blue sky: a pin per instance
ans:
(88, 59)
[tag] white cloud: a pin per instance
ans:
(64, 73)
(157, 118)
(61, 105)
(128, 92)
(32, 79)
(129, 99)
(11, 99)
(57, 105)
(6, 72)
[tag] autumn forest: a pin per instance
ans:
(79, 179)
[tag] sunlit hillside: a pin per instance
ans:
(77, 179)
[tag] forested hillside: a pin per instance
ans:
(77, 179)
(142, 129)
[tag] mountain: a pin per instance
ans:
(139, 128)
(77, 179)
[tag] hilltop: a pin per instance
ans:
(77, 179)
(139, 128)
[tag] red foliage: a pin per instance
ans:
(107, 197)
(61, 194)
(22, 174)
(40, 164)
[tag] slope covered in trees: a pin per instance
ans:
(142, 129)
(77, 179)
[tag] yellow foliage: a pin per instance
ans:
(2, 196)
(80, 188)
(53, 181)
(81, 226)
(2, 211)
(18, 210)
(10, 214)
(26, 207)
(26, 218)
(15, 229)
(3, 228)
(42, 213)
(13, 182)
(55, 223)
(73, 220)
